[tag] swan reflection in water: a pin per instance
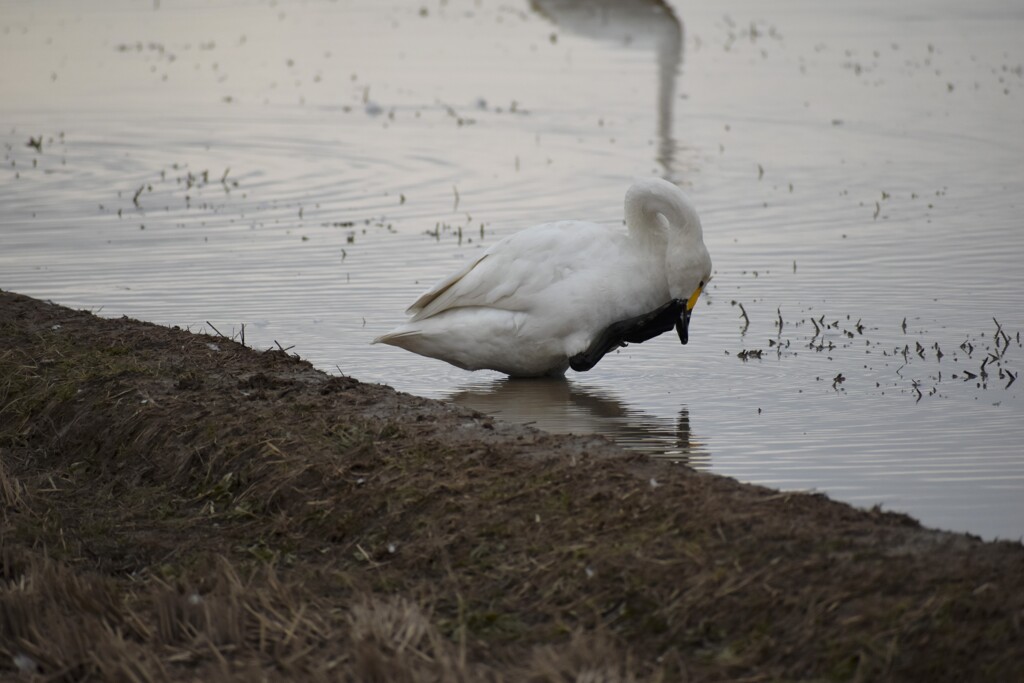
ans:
(560, 406)
(635, 24)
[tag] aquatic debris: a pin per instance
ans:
(743, 314)
(908, 356)
(1005, 337)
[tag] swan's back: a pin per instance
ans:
(528, 270)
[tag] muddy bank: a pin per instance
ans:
(177, 506)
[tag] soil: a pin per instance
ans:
(176, 506)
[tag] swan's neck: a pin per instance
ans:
(658, 211)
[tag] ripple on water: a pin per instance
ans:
(340, 219)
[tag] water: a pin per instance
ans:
(859, 165)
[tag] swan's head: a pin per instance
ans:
(690, 282)
(659, 213)
(688, 263)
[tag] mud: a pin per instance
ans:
(177, 506)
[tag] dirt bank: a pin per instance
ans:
(177, 506)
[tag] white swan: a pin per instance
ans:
(564, 294)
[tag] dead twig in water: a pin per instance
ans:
(219, 333)
(746, 318)
(1005, 337)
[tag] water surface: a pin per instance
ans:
(308, 168)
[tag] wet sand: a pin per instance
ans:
(177, 506)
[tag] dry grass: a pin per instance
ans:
(172, 512)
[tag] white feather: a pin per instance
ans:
(540, 296)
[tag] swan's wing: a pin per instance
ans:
(441, 287)
(514, 271)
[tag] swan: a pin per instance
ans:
(564, 294)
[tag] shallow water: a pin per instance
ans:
(855, 165)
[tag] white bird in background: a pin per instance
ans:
(561, 295)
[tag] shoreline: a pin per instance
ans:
(179, 506)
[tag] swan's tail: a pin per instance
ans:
(396, 337)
